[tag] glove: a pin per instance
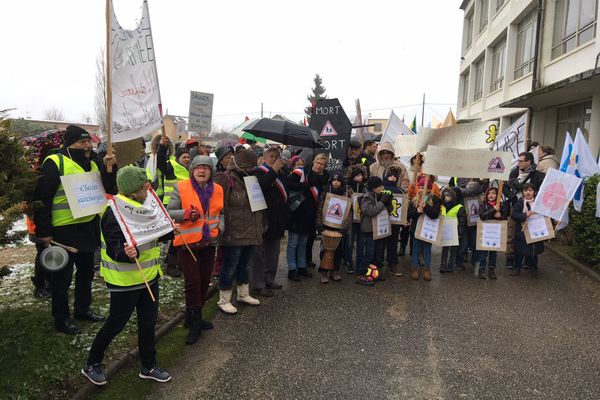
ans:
(191, 214)
(386, 198)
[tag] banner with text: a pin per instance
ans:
(482, 164)
(475, 135)
(200, 116)
(330, 121)
(512, 140)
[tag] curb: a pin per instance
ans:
(579, 266)
(89, 388)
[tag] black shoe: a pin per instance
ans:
(402, 252)
(492, 273)
(89, 316)
(41, 293)
(310, 265)
(293, 275)
(66, 327)
(305, 273)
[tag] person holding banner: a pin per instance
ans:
(130, 286)
(524, 252)
(356, 176)
(491, 209)
(54, 221)
(390, 184)
(197, 204)
(453, 208)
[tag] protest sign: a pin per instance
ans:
(381, 225)
(482, 164)
(491, 235)
(330, 121)
(512, 139)
(449, 231)
(538, 228)
(255, 194)
(356, 207)
(200, 115)
(472, 208)
(135, 105)
(429, 230)
(335, 210)
(405, 145)
(144, 223)
(85, 193)
(555, 194)
(462, 136)
(399, 213)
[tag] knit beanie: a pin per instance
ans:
(130, 179)
(245, 159)
(374, 182)
(200, 160)
(73, 134)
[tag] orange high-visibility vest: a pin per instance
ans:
(30, 225)
(191, 231)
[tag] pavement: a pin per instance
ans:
(456, 337)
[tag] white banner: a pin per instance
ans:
(142, 224)
(555, 194)
(467, 163)
(200, 116)
(405, 145)
(449, 231)
(136, 106)
(255, 194)
(85, 193)
(512, 140)
(474, 135)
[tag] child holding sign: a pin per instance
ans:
(491, 209)
(452, 208)
(523, 251)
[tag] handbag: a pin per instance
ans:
(295, 199)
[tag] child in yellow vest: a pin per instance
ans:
(452, 209)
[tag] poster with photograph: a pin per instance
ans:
(472, 209)
(491, 235)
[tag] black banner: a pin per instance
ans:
(333, 126)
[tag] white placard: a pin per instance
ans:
(381, 225)
(405, 145)
(473, 135)
(136, 106)
(85, 193)
(491, 235)
(255, 194)
(482, 164)
(538, 228)
(200, 116)
(512, 140)
(449, 231)
(428, 229)
(555, 194)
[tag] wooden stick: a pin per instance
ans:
(188, 247)
(145, 280)
(416, 168)
(67, 248)
(108, 88)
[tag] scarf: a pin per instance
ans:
(278, 183)
(204, 194)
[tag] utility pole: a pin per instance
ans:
(261, 109)
(423, 112)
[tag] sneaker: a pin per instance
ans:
(263, 292)
(349, 268)
(363, 280)
(94, 374)
(155, 374)
(482, 273)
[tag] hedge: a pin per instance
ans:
(586, 226)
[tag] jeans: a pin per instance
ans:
(373, 253)
(484, 256)
(425, 247)
(235, 265)
(296, 250)
(122, 305)
(61, 280)
(354, 236)
(532, 262)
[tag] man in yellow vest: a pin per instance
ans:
(54, 221)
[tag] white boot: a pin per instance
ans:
(225, 302)
(243, 295)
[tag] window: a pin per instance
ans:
(465, 90)
(478, 80)
(525, 45)
(498, 66)
(572, 117)
(500, 4)
(574, 24)
(483, 14)
(469, 31)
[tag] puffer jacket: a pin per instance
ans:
(242, 226)
(378, 169)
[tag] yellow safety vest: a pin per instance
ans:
(453, 213)
(61, 213)
(167, 186)
(125, 273)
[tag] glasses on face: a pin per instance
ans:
(521, 160)
(202, 167)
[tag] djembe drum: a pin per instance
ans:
(331, 240)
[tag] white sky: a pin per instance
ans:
(386, 53)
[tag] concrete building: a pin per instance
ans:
(536, 55)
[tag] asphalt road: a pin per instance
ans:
(456, 337)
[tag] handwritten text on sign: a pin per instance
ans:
(482, 164)
(200, 116)
(462, 136)
(85, 193)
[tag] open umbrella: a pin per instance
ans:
(285, 132)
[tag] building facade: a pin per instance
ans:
(539, 56)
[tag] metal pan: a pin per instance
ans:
(54, 258)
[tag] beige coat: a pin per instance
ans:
(377, 169)
(547, 162)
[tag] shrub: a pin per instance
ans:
(586, 226)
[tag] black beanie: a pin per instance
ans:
(374, 182)
(73, 134)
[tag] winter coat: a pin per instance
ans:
(513, 187)
(519, 215)
(303, 219)
(242, 226)
(370, 207)
(377, 169)
(277, 212)
(356, 187)
(461, 216)
(433, 208)
(547, 162)
(487, 211)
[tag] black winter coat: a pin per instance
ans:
(519, 215)
(303, 219)
(277, 212)
(513, 187)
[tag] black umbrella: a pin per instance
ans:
(285, 132)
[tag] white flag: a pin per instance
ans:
(580, 163)
(512, 139)
(136, 108)
(143, 224)
(395, 127)
(564, 162)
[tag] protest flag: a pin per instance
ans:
(450, 120)
(413, 125)
(581, 163)
(564, 163)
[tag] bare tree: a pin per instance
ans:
(54, 114)
(87, 118)
(100, 95)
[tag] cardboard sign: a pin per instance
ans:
(449, 231)
(555, 194)
(538, 228)
(429, 230)
(474, 135)
(335, 210)
(356, 207)
(405, 145)
(491, 235)
(472, 208)
(482, 164)
(330, 121)
(399, 213)
(200, 116)
(382, 227)
(85, 193)
(255, 194)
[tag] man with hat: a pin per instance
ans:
(353, 155)
(223, 154)
(54, 221)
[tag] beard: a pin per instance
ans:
(387, 163)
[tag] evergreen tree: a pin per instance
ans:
(16, 181)
(318, 92)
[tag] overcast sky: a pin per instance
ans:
(386, 53)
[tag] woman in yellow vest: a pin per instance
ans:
(126, 283)
(452, 208)
(197, 204)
